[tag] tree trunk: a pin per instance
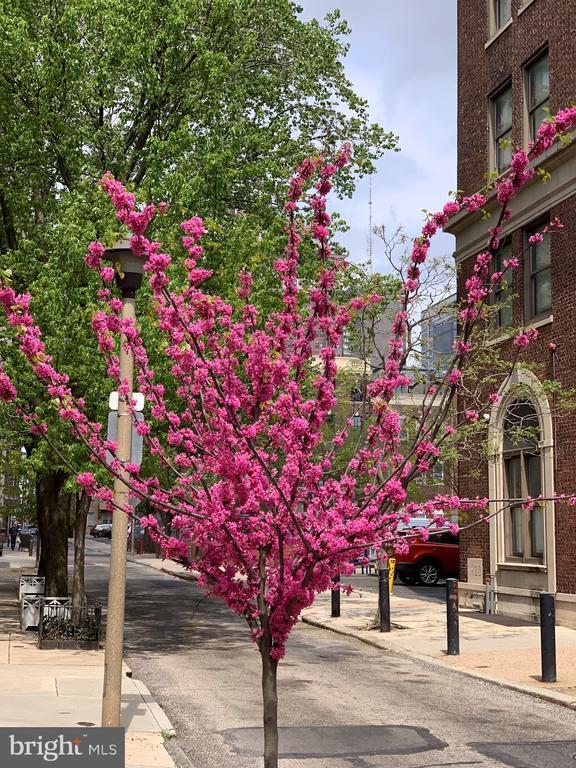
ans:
(269, 701)
(82, 505)
(51, 509)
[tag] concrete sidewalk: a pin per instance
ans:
(166, 566)
(64, 687)
(494, 648)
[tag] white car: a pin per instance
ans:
(102, 529)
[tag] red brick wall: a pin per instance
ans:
(562, 331)
(482, 71)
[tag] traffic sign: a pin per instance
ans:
(138, 397)
(136, 442)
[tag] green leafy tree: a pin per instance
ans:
(207, 102)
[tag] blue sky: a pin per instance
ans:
(402, 59)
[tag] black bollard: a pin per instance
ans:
(452, 617)
(384, 599)
(98, 620)
(548, 637)
(335, 613)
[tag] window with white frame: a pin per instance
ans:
(503, 317)
(539, 273)
(523, 523)
(537, 93)
(501, 108)
(502, 12)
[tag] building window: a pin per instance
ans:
(502, 128)
(540, 274)
(356, 421)
(537, 93)
(347, 345)
(437, 474)
(502, 12)
(503, 316)
(524, 527)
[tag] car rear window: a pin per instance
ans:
(445, 537)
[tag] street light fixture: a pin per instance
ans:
(129, 271)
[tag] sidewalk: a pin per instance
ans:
(494, 648)
(166, 566)
(64, 687)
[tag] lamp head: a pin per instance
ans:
(129, 267)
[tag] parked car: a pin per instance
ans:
(101, 530)
(431, 560)
(138, 530)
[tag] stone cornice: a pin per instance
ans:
(532, 202)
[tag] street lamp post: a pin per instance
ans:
(129, 270)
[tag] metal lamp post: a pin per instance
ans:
(129, 270)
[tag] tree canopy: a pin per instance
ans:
(207, 104)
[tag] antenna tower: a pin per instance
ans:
(370, 266)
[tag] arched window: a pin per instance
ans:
(524, 528)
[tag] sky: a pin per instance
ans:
(402, 60)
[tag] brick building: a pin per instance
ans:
(517, 60)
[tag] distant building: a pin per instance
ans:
(438, 332)
(376, 347)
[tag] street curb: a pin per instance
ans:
(186, 576)
(159, 715)
(563, 700)
(192, 576)
(144, 561)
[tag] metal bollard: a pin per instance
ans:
(335, 612)
(452, 622)
(384, 599)
(98, 620)
(548, 637)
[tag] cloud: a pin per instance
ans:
(402, 60)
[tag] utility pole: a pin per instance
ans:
(128, 278)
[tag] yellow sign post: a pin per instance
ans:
(391, 572)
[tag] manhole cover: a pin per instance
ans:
(336, 741)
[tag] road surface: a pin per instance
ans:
(343, 704)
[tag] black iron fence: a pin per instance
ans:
(69, 627)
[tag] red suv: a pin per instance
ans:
(428, 561)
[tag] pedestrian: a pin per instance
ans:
(14, 530)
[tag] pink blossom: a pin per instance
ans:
(7, 389)
(523, 339)
(455, 377)
(87, 482)
(107, 274)
(474, 202)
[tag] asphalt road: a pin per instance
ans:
(343, 704)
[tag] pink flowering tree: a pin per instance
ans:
(242, 435)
